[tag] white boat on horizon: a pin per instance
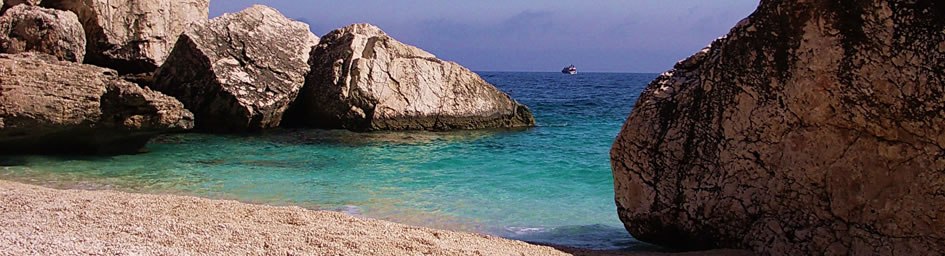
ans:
(570, 70)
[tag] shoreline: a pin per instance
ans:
(40, 220)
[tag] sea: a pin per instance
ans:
(551, 184)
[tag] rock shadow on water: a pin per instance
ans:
(268, 164)
(344, 138)
(11, 161)
(20, 160)
(595, 237)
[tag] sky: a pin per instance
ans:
(641, 36)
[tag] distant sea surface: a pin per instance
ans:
(550, 184)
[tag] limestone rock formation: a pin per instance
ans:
(26, 28)
(7, 4)
(132, 36)
(51, 106)
(364, 80)
(240, 71)
(814, 127)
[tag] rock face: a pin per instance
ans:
(814, 127)
(25, 28)
(364, 80)
(7, 4)
(240, 71)
(51, 106)
(132, 36)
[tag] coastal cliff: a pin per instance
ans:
(813, 127)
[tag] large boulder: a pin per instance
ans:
(132, 36)
(814, 127)
(26, 28)
(364, 80)
(52, 106)
(240, 71)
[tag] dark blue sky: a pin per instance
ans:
(531, 35)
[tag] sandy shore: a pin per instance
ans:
(37, 220)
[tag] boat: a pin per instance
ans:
(569, 70)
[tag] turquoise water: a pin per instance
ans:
(550, 184)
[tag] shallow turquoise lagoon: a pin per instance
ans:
(550, 184)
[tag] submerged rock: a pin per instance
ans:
(51, 106)
(812, 128)
(26, 28)
(364, 80)
(240, 71)
(132, 36)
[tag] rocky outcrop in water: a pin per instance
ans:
(364, 80)
(240, 71)
(132, 36)
(27, 28)
(51, 106)
(814, 127)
